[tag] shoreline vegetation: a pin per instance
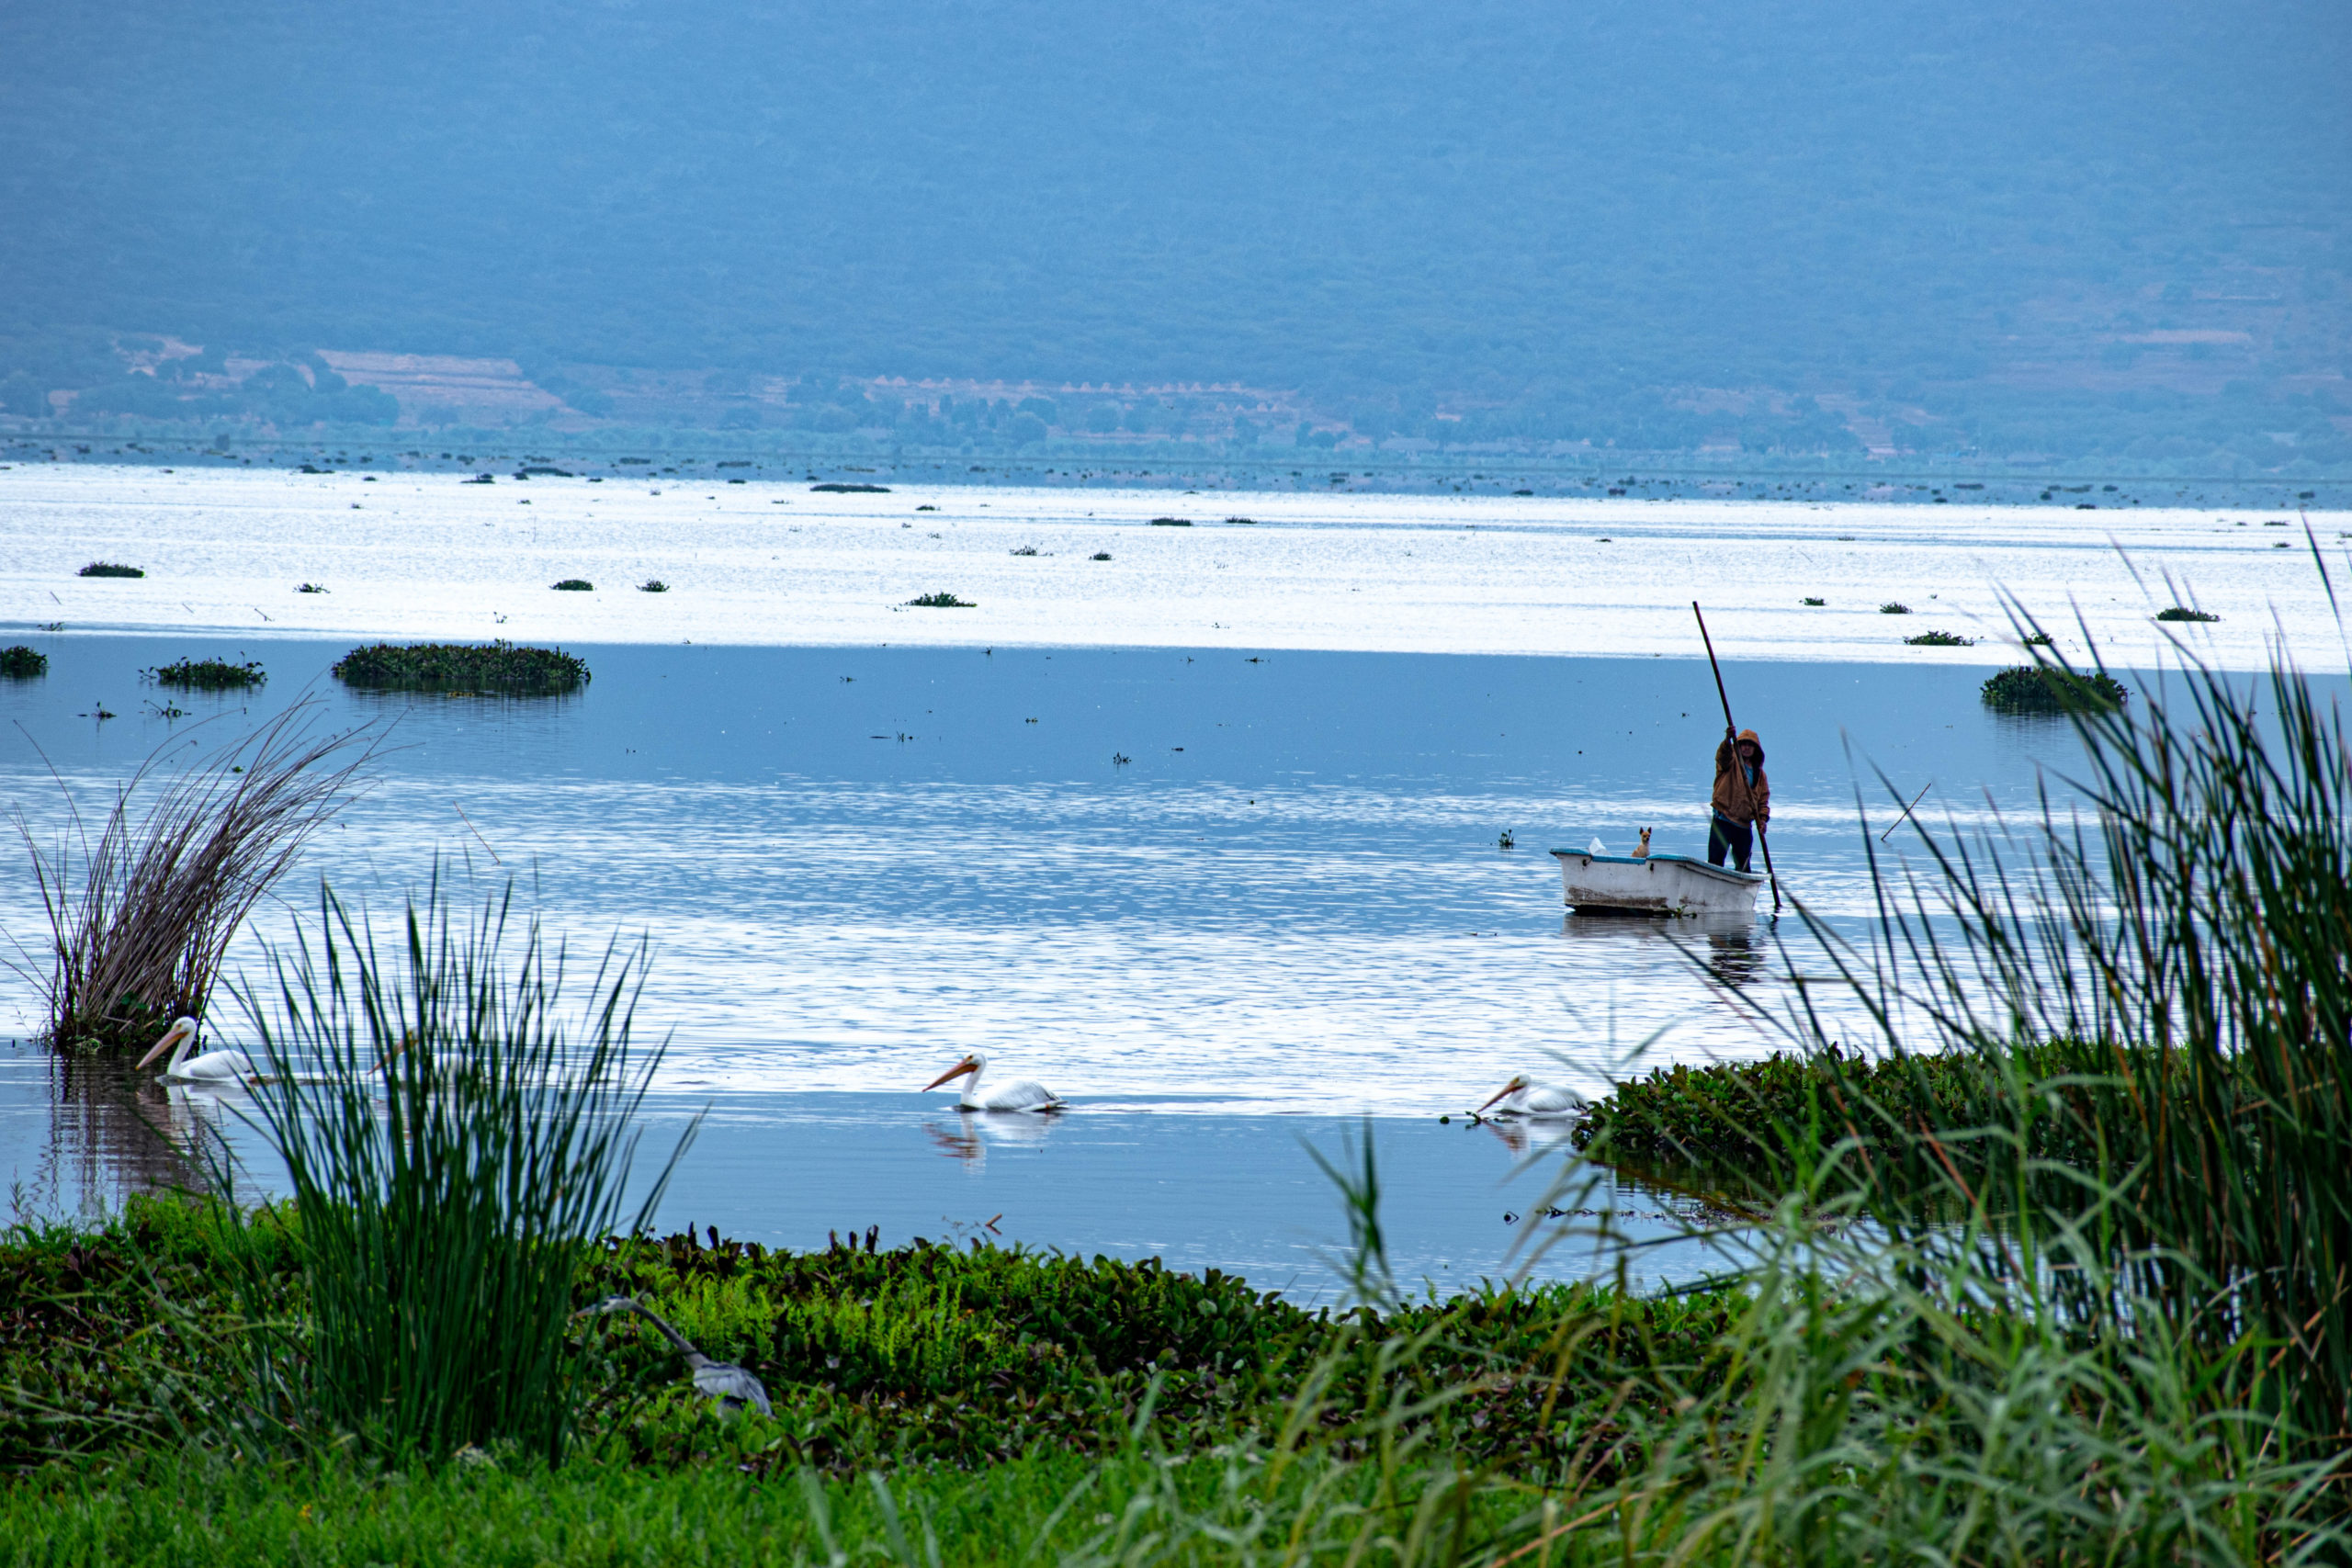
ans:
(501, 668)
(2046, 1269)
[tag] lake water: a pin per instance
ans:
(1283, 910)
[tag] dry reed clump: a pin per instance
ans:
(137, 937)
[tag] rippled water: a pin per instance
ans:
(1287, 907)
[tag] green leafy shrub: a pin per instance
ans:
(2049, 688)
(207, 674)
(22, 663)
(499, 667)
(109, 569)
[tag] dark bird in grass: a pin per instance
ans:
(729, 1386)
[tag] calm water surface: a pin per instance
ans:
(1222, 902)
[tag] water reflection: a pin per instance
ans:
(1526, 1136)
(1734, 951)
(111, 1132)
(965, 1135)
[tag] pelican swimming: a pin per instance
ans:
(1019, 1095)
(729, 1385)
(219, 1066)
(1524, 1097)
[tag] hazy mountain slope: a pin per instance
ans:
(1546, 206)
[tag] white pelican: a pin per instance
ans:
(219, 1066)
(1019, 1095)
(729, 1386)
(1524, 1097)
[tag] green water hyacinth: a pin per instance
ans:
(498, 667)
(2048, 688)
(208, 674)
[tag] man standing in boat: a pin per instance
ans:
(1742, 798)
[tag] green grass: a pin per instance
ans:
(501, 668)
(22, 663)
(208, 674)
(2050, 688)
(109, 568)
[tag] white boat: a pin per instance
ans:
(1654, 885)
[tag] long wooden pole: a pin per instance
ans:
(1731, 734)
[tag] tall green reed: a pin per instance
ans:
(454, 1138)
(2154, 978)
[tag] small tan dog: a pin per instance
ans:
(1642, 850)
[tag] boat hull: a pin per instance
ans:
(1657, 885)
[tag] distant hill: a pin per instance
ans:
(2008, 230)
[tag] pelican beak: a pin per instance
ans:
(957, 1071)
(170, 1038)
(1505, 1091)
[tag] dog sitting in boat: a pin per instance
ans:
(1642, 850)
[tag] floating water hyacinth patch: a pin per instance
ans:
(1099, 555)
(496, 667)
(575, 585)
(1894, 607)
(312, 588)
(109, 568)
(653, 585)
(22, 663)
(2031, 688)
(941, 601)
(207, 674)
(1172, 521)
(2183, 613)
(1816, 603)
(1940, 639)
